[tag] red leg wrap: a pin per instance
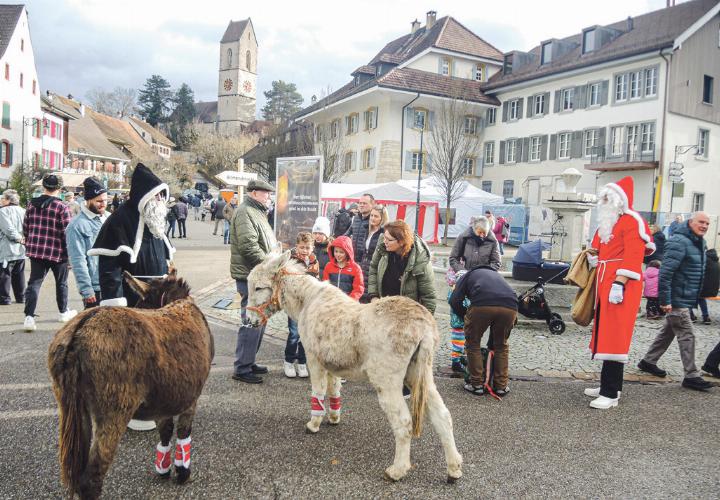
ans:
(335, 404)
(182, 453)
(163, 458)
(317, 406)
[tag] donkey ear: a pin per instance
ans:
(284, 259)
(139, 287)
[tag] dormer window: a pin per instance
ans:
(546, 53)
(480, 72)
(445, 66)
(588, 41)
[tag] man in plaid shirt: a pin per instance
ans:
(44, 227)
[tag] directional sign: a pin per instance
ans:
(675, 178)
(675, 171)
(676, 165)
(233, 178)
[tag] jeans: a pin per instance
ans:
(677, 324)
(501, 321)
(38, 270)
(703, 307)
(501, 247)
(12, 278)
(294, 350)
(170, 229)
(226, 232)
(249, 338)
(181, 228)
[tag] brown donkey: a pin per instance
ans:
(112, 363)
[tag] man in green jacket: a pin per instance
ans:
(251, 239)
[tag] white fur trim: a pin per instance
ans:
(110, 253)
(651, 246)
(628, 274)
(164, 450)
(621, 192)
(622, 358)
(118, 302)
(641, 225)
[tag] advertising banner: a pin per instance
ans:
(297, 201)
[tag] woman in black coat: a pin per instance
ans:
(711, 282)
(378, 219)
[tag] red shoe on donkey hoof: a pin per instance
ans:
(182, 460)
(163, 460)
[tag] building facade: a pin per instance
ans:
(21, 124)
(638, 97)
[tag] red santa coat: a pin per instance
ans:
(621, 256)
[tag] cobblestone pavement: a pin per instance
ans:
(534, 352)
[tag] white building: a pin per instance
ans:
(20, 115)
(610, 101)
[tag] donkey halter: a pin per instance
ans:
(274, 301)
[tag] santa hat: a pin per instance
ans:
(625, 188)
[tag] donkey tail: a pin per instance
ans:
(75, 424)
(419, 376)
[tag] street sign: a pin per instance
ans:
(675, 178)
(676, 165)
(234, 178)
(675, 172)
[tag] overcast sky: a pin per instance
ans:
(82, 44)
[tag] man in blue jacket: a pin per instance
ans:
(81, 234)
(681, 278)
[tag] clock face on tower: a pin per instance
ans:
(228, 84)
(247, 86)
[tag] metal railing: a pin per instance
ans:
(622, 153)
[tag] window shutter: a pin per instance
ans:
(552, 153)
(375, 117)
(409, 112)
(505, 111)
(576, 146)
(530, 107)
(428, 163)
(372, 158)
(431, 120)
(604, 92)
(408, 161)
(479, 166)
(543, 147)
(520, 108)
(440, 61)
(501, 158)
(556, 104)
(601, 137)
(354, 160)
(525, 148)
(546, 103)
(10, 154)
(365, 120)
(579, 97)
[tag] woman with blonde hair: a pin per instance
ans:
(376, 222)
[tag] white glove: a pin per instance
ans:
(592, 260)
(616, 293)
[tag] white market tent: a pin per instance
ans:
(400, 198)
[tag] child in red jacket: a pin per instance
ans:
(342, 271)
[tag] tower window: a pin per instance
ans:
(247, 60)
(229, 58)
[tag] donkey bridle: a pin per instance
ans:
(274, 301)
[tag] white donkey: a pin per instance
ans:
(388, 342)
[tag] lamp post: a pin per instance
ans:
(25, 121)
(419, 123)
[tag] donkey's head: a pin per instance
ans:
(158, 292)
(263, 293)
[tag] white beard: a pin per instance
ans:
(609, 211)
(154, 215)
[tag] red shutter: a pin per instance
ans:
(52, 129)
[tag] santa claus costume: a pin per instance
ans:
(622, 241)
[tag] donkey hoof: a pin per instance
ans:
(309, 429)
(182, 475)
(333, 419)
(163, 475)
(393, 474)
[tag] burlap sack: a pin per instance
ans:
(583, 307)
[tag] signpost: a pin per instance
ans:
(238, 178)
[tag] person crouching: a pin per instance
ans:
(493, 304)
(294, 351)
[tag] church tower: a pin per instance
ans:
(237, 78)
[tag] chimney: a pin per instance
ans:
(430, 20)
(70, 96)
(629, 23)
(82, 109)
(414, 26)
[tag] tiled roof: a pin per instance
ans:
(158, 136)
(206, 112)
(368, 70)
(122, 133)
(9, 16)
(234, 31)
(84, 135)
(435, 84)
(651, 31)
(51, 104)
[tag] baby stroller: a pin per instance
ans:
(532, 304)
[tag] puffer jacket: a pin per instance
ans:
(683, 268)
(467, 250)
(650, 279)
(321, 253)
(711, 282)
(11, 233)
(418, 280)
(358, 232)
(251, 238)
(348, 278)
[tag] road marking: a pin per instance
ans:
(23, 387)
(11, 415)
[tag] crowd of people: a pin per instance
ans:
(368, 257)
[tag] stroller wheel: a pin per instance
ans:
(557, 326)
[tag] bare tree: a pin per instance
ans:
(331, 144)
(216, 153)
(119, 103)
(454, 144)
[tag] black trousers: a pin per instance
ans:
(38, 270)
(181, 228)
(12, 278)
(611, 378)
(713, 359)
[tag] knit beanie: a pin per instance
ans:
(322, 225)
